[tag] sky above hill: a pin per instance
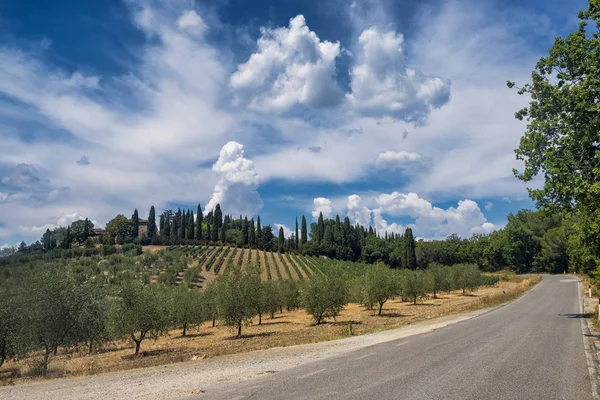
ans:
(395, 113)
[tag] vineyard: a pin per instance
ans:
(198, 265)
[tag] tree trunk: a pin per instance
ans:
(184, 330)
(415, 300)
(91, 346)
(239, 332)
(46, 360)
(464, 291)
(2, 359)
(55, 350)
(138, 342)
(214, 321)
(319, 319)
(260, 318)
(380, 308)
(272, 315)
(434, 294)
(280, 309)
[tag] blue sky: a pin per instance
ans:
(395, 113)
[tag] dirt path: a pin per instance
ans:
(189, 378)
(263, 265)
(238, 257)
(272, 267)
(307, 272)
(285, 272)
(286, 267)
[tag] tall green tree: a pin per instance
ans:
(135, 224)
(199, 220)
(281, 240)
(151, 223)
(296, 239)
(409, 246)
(304, 232)
(561, 141)
(251, 234)
(190, 226)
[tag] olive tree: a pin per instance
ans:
(140, 312)
(324, 296)
(466, 277)
(416, 285)
(269, 300)
(440, 277)
(238, 296)
(378, 285)
(187, 307)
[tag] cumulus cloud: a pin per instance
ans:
(322, 205)
(383, 85)
(396, 159)
(287, 232)
(357, 212)
(292, 66)
(236, 189)
(431, 221)
(489, 205)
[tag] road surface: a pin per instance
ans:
(530, 349)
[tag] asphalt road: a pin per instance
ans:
(530, 349)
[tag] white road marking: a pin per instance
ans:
(365, 356)
(312, 373)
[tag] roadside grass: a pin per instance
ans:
(286, 329)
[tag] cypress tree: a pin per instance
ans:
(67, 240)
(320, 228)
(190, 226)
(251, 234)
(152, 223)
(281, 240)
(175, 224)
(259, 241)
(245, 231)
(304, 232)
(183, 224)
(222, 233)
(135, 224)
(218, 216)
(199, 219)
(409, 246)
(296, 237)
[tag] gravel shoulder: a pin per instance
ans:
(183, 379)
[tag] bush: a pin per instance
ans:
(489, 280)
(324, 296)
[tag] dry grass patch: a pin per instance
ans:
(286, 329)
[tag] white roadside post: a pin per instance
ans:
(599, 308)
(590, 291)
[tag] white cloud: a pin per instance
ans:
(292, 66)
(357, 212)
(238, 181)
(489, 205)
(64, 220)
(382, 84)
(192, 23)
(396, 159)
(431, 221)
(287, 232)
(322, 205)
